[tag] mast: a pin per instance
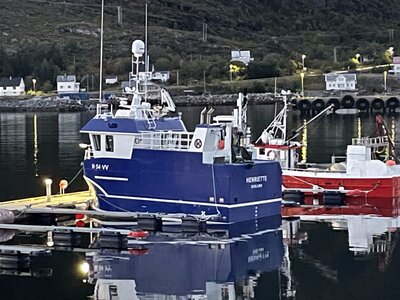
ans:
(101, 51)
(146, 58)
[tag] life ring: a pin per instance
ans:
(271, 154)
(198, 143)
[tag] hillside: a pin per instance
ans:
(44, 38)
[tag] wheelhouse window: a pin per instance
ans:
(109, 143)
(96, 142)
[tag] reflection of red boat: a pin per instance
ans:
(363, 182)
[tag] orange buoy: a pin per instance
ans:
(80, 220)
(221, 144)
(390, 162)
(139, 251)
(138, 234)
(79, 216)
(80, 223)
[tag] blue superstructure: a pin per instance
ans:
(141, 160)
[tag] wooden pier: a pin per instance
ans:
(79, 199)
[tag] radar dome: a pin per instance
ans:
(138, 48)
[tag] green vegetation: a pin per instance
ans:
(44, 39)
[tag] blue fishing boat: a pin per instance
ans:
(142, 159)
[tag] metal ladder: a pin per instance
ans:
(150, 119)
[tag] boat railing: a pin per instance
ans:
(313, 170)
(168, 140)
(103, 110)
(380, 141)
(334, 158)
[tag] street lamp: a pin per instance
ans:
(34, 84)
(302, 83)
(391, 51)
(384, 79)
(48, 183)
(303, 57)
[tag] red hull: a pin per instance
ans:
(379, 196)
(371, 187)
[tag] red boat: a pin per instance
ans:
(363, 182)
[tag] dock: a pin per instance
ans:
(78, 199)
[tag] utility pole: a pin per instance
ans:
(204, 80)
(391, 35)
(335, 54)
(87, 82)
(119, 15)
(204, 33)
(177, 77)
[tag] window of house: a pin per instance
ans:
(109, 143)
(96, 142)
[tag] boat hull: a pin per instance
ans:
(179, 183)
(374, 187)
(367, 195)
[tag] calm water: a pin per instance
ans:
(300, 261)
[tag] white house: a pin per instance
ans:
(241, 55)
(345, 82)
(162, 76)
(67, 84)
(111, 79)
(12, 86)
(396, 65)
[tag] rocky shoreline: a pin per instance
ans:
(65, 105)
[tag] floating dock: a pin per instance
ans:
(78, 199)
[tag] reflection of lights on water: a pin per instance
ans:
(304, 142)
(359, 128)
(393, 128)
(84, 267)
(35, 145)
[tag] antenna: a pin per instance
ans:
(146, 58)
(145, 41)
(101, 50)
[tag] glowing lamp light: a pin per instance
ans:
(83, 146)
(48, 183)
(84, 267)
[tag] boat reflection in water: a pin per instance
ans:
(366, 233)
(223, 264)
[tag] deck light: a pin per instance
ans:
(83, 146)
